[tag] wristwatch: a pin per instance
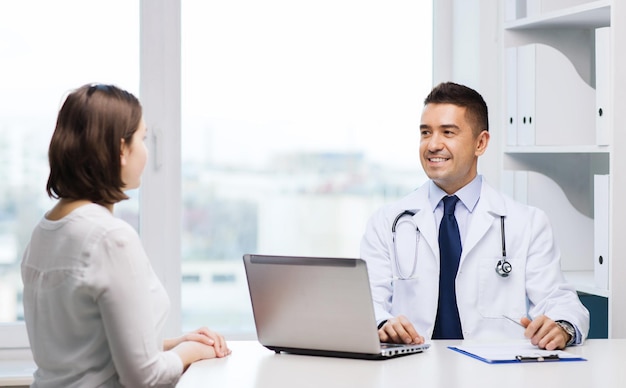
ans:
(569, 329)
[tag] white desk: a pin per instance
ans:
(252, 366)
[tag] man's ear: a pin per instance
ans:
(482, 142)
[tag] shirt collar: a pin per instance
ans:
(468, 194)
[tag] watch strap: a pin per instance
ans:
(569, 329)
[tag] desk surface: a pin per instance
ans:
(253, 366)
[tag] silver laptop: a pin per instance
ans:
(316, 306)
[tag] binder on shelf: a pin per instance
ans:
(514, 9)
(511, 96)
(603, 85)
(552, 98)
(533, 8)
(559, 5)
(526, 95)
(601, 231)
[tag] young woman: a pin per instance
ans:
(93, 306)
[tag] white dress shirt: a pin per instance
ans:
(93, 306)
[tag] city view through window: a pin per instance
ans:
(299, 119)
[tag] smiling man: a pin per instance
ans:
(455, 258)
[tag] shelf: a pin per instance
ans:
(581, 149)
(590, 15)
(583, 281)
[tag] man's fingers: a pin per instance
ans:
(545, 333)
(399, 330)
(525, 321)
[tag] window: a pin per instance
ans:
(48, 48)
(299, 119)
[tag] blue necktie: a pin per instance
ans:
(447, 323)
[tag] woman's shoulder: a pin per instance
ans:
(95, 225)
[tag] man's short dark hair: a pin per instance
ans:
(465, 97)
(85, 148)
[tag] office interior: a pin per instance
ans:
(479, 43)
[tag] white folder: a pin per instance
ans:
(601, 231)
(533, 8)
(511, 96)
(514, 9)
(552, 99)
(526, 95)
(603, 86)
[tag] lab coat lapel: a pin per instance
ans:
(489, 206)
(425, 221)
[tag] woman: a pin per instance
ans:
(93, 306)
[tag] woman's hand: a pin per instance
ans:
(202, 335)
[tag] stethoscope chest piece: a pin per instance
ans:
(503, 267)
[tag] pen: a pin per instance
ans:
(513, 320)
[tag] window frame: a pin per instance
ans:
(160, 85)
(160, 193)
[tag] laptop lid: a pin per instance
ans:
(316, 306)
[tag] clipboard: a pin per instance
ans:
(502, 353)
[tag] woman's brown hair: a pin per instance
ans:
(85, 148)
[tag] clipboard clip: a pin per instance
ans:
(549, 357)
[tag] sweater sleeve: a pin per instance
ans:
(130, 297)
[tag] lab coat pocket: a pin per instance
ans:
(405, 292)
(406, 301)
(500, 295)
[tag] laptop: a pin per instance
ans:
(316, 306)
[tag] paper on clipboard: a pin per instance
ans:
(501, 353)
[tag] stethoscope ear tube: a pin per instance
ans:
(395, 222)
(401, 275)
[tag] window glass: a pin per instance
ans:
(47, 49)
(299, 119)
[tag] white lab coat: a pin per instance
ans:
(535, 286)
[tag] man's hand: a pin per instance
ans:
(400, 331)
(545, 333)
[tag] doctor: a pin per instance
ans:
(506, 263)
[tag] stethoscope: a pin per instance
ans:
(503, 266)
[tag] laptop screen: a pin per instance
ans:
(312, 303)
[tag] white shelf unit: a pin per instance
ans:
(584, 281)
(581, 149)
(579, 14)
(471, 38)
(566, 81)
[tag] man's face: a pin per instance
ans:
(449, 150)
